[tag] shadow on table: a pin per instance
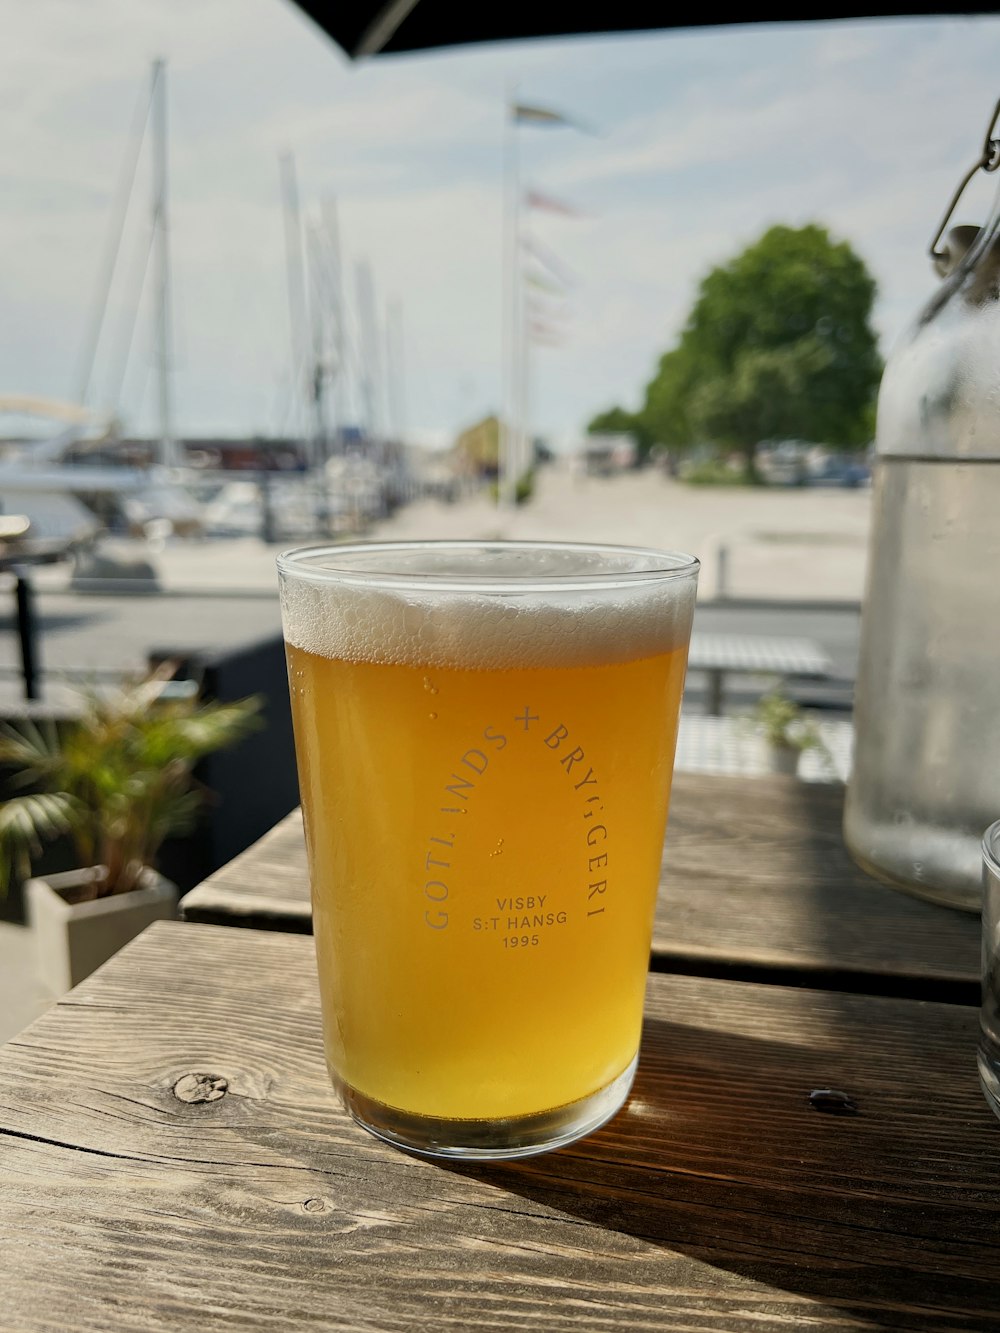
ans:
(758, 885)
(720, 1156)
(918, 948)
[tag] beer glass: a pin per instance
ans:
(485, 735)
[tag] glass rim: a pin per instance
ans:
(991, 849)
(667, 565)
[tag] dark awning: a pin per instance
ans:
(364, 27)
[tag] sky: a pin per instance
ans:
(697, 141)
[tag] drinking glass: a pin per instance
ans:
(485, 736)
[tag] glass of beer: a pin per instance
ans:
(485, 736)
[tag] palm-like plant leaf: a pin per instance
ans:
(26, 822)
(33, 750)
(119, 781)
(176, 731)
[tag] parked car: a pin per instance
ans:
(783, 464)
(840, 470)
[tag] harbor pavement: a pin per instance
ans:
(793, 544)
(781, 547)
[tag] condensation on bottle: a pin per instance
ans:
(926, 773)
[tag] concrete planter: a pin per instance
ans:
(783, 759)
(74, 939)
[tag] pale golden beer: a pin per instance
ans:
(485, 739)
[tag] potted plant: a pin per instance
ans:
(117, 781)
(787, 731)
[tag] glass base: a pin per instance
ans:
(951, 877)
(489, 1140)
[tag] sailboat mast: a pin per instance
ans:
(296, 292)
(331, 228)
(370, 368)
(394, 371)
(318, 358)
(168, 451)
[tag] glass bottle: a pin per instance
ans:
(926, 775)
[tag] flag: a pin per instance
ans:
(548, 261)
(545, 309)
(546, 316)
(544, 334)
(537, 115)
(535, 199)
(542, 283)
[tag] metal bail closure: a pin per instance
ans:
(960, 240)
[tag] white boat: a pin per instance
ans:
(73, 502)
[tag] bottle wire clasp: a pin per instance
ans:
(988, 160)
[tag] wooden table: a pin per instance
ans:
(173, 1158)
(756, 884)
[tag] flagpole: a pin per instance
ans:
(509, 306)
(523, 451)
(520, 335)
(526, 453)
(513, 451)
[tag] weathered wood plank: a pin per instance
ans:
(756, 879)
(719, 1199)
(266, 887)
(756, 876)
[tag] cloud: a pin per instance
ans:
(705, 138)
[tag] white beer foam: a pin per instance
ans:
(479, 631)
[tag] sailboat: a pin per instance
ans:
(51, 480)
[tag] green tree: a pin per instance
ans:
(666, 410)
(613, 421)
(779, 343)
(619, 421)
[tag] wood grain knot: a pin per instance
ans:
(314, 1206)
(832, 1102)
(201, 1088)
